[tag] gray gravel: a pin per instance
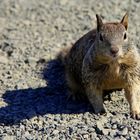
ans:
(33, 92)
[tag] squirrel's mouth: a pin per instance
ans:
(114, 55)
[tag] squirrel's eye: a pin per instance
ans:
(101, 37)
(125, 36)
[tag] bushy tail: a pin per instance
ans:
(62, 55)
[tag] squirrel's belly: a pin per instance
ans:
(112, 84)
(113, 78)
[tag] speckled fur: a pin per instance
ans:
(90, 69)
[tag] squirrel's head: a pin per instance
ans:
(111, 37)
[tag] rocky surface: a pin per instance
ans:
(33, 93)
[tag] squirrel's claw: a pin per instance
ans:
(135, 115)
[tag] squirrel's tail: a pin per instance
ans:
(63, 54)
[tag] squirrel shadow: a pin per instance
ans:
(52, 99)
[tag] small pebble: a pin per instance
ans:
(124, 131)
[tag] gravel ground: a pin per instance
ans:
(33, 93)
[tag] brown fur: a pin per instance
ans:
(91, 69)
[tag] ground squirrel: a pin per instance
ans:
(104, 59)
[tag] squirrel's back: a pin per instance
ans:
(72, 57)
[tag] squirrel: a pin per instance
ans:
(104, 59)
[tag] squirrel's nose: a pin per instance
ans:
(114, 50)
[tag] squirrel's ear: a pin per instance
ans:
(124, 21)
(99, 22)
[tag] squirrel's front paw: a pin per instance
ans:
(135, 114)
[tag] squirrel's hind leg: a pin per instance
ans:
(75, 89)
